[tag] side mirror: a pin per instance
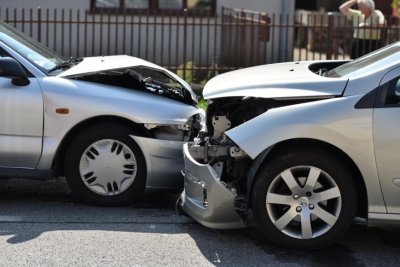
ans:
(10, 68)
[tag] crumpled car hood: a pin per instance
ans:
(283, 80)
(98, 64)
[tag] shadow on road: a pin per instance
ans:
(30, 208)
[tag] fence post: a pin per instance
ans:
(242, 20)
(331, 35)
(184, 41)
(39, 24)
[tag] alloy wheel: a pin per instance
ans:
(303, 202)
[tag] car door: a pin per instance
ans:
(21, 123)
(386, 127)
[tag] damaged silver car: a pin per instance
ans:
(299, 149)
(114, 126)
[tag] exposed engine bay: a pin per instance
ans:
(213, 147)
(143, 79)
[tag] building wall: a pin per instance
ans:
(203, 43)
(269, 6)
(27, 4)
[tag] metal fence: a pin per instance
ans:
(197, 46)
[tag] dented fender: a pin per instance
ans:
(305, 120)
(333, 121)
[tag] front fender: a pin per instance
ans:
(334, 121)
(84, 101)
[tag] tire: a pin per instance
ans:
(317, 210)
(104, 166)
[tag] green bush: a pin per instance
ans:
(196, 77)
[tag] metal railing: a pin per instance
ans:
(197, 46)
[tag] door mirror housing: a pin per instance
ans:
(10, 68)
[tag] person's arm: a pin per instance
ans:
(382, 20)
(344, 8)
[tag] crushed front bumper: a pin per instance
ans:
(164, 163)
(205, 198)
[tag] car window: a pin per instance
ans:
(33, 51)
(393, 92)
(3, 53)
(397, 88)
(365, 61)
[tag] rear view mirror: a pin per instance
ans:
(10, 68)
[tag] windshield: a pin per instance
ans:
(34, 52)
(364, 61)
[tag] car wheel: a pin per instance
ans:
(303, 199)
(104, 166)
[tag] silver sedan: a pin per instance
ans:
(299, 149)
(114, 126)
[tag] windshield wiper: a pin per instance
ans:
(66, 64)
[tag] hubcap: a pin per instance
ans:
(108, 167)
(303, 202)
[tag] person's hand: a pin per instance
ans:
(344, 8)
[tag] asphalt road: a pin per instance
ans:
(40, 225)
